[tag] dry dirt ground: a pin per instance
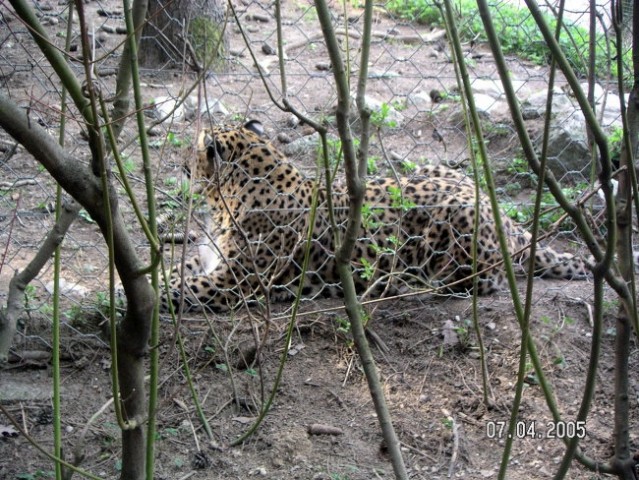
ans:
(426, 347)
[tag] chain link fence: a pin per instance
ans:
(412, 89)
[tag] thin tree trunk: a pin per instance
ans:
(355, 166)
(191, 32)
(133, 332)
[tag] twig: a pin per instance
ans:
(18, 183)
(322, 429)
(9, 317)
(419, 452)
(24, 418)
(9, 152)
(187, 476)
(78, 453)
(40, 448)
(591, 320)
(378, 341)
(197, 442)
(348, 371)
(453, 458)
(219, 410)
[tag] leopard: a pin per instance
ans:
(269, 236)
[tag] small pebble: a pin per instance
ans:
(50, 21)
(292, 121)
(283, 138)
(258, 18)
(267, 49)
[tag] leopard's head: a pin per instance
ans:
(222, 145)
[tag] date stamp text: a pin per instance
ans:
(531, 429)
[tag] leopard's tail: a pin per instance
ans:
(548, 262)
(552, 264)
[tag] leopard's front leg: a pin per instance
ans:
(216, 292)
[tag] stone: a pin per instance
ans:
(302, 147)
(388, 115)
(419, 99)
(568, 152)
(484, 103)
(560, 102)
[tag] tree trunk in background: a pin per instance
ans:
(191, 32)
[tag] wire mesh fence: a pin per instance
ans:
(412, 90)
(418, 124)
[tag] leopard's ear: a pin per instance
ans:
(255, 126)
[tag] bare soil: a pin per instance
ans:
(426, 347)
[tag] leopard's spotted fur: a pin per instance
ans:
(416, 231)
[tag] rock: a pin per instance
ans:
(258, 17)
(529, 113)
(484, 103)
(598, 91)
(377, 74)
(302, 146)
(290, 447)
(568, 152)
(68, 289)
(420, 99)
(494, 87)
(283, 138)
(268, 49)
(169, 108)
(15, 390)
(564, 103)
(384, 115)
(435, 95)
(264, 65)
(612, 112)
(292, 121)
(491, 88)
(208, 105)
(107, 28)
(50, 21)
(537, 102)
